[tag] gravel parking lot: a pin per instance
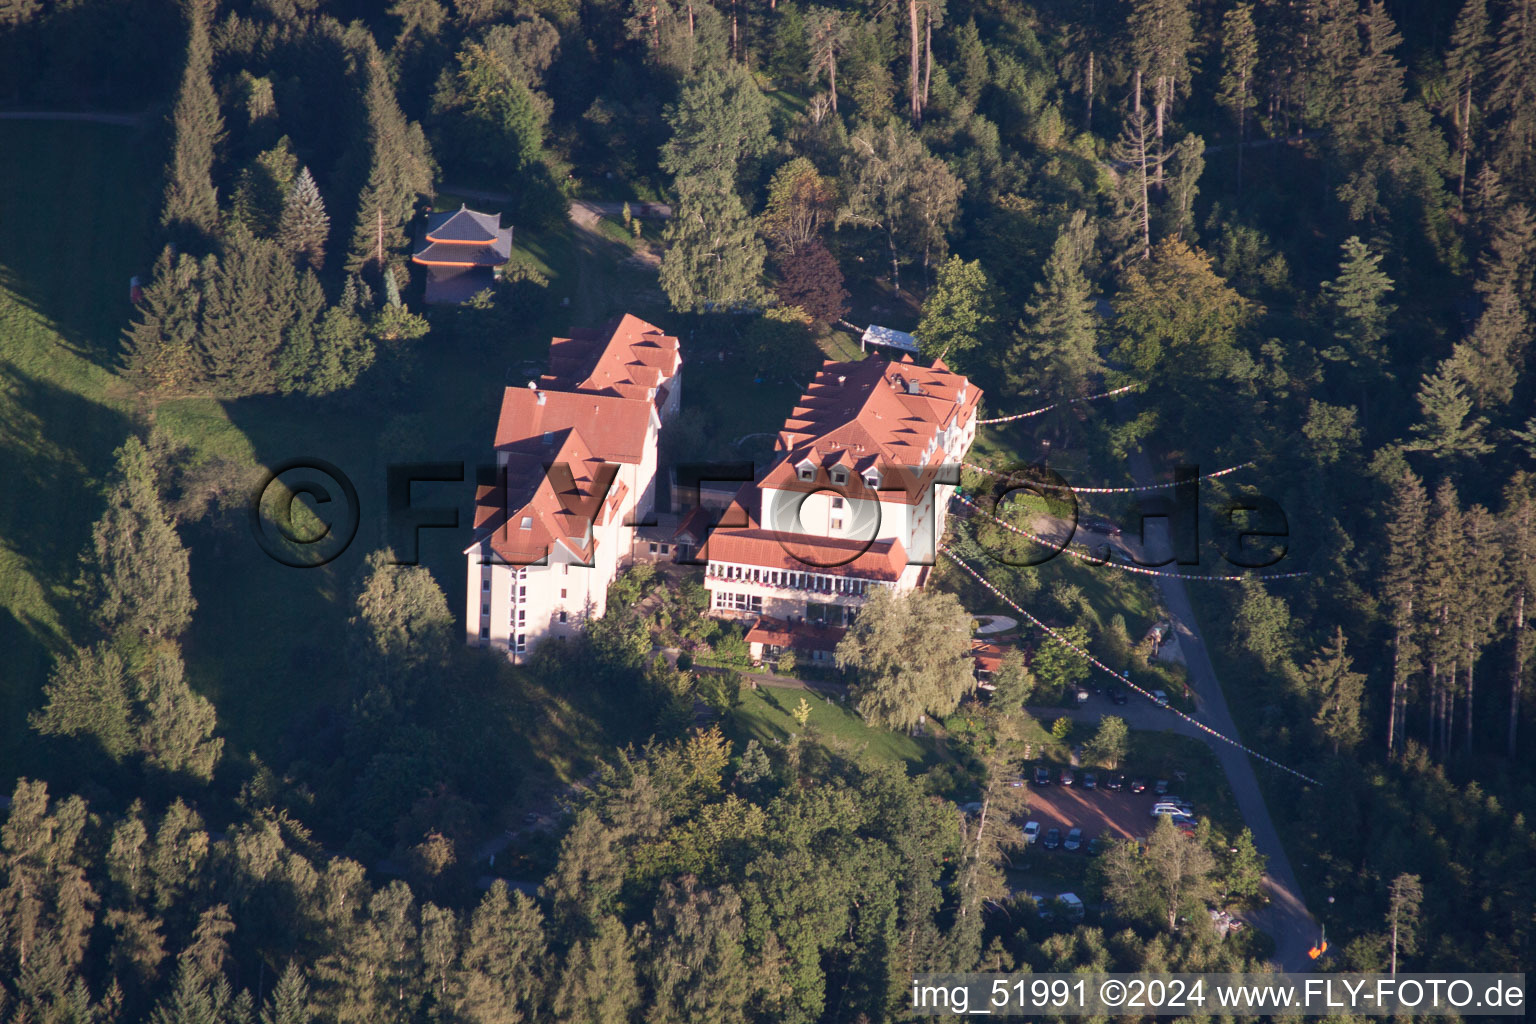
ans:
(1122, 815)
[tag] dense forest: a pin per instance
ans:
(1305, 229)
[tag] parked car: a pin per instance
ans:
(1103, 526)
(1090, 780)
(1082, 695)
(1067, 777)
(1161, 787)
(1160, 697)
(1053, 839)
(1042, 776)
(1097, 845)
(1119, 696)
(1031, 832)
(1074, 840)
(1138, 785)
(1115, 782)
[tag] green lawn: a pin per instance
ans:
(764, 715)
(77, 219)
(76, 208)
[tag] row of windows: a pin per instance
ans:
(813, 582)
(738, 602)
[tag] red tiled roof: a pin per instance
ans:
(614, 427)
(989, 654)
(803, 636)
(626, 357)
(557, 498)
(873, 414)
(797, 552)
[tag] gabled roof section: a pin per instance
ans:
(615, 428)
(547, 499)
(872, 414)
(627, 357)
(797, 552)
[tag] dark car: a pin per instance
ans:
(1074, 839)
(1052, 839)
(1090, 780)
(1042, 776)
(1103, 526)
(1115, 782)
(1067, 777)
(1138, 785)
(1161, 787)
(1097, 845)
(1119, 696)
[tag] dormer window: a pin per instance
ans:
(839, 476)
(872, 480)
(807, 472)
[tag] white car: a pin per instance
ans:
(1031, 832)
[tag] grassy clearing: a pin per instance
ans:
(764, 715)
(62, 307)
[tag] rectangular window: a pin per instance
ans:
(839, 477)
(485, 608)
(522, 616)
(666, 549)
(522, 643)
(522, 592)
(562, 592)
(485, 632)
(837, 524)
(807, 474)
(565, 568)
(837, 502)
(653, 549)
(562, 616)
(485, 584)
(757, 603)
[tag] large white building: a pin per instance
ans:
(855, 499)
(576, 455)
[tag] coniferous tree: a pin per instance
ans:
(1477, 621)
(1337, 690)
(1186, 165)
(694, 956)
(1488, 361)
(714, 259)
(158, 349)
(191, 206)
(1466, 66)
(505, 961)
(1442, 591)
(598, 982)
(1239, 63)
(304, 225)
(175, 725)
(137, 570)
(88, 695)
(1162, 35)
(1138, 164)
(1520, 569)
(1446, 426)
(828, 38)
(289, 1001)
(1403, 922)
(400, 169)
(1056, 342)
(1402, 578)
(1512, 90)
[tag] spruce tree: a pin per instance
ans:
(304, 226)
(1512, 91)
(1466, 65)
(505, 961)
(88, 695)
(1357, 297)
(1442, 591)
(1336, 690)
(1488, 361)
(136, 572)
(1239, 63)
(1446, 427)
(191, 206)
(1520, 569)
(399, 168)
(1056, 342)
(1137, 163)
(1401, 581)
(1162, 35)
(175, 725)
(159, 357)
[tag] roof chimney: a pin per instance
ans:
(540, 396)
(532, 386)
(841, 379)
